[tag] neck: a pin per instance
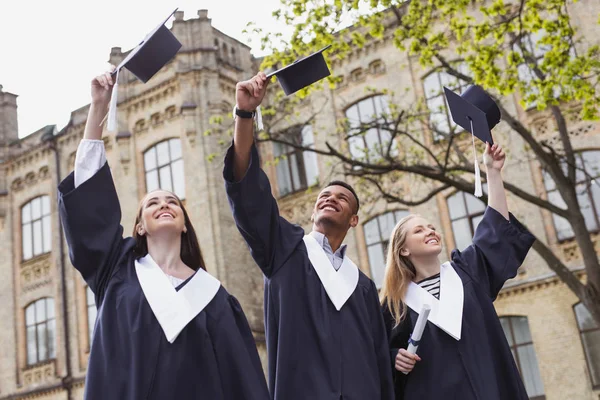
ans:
(165, 251)
(425, 266)
(335, 237)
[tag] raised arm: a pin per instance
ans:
(249, 94)
(271, 239)
(501, 243)
(493, 159)
(88, 203)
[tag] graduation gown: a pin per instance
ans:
(213, 357)
(315, 352)
(480, 365)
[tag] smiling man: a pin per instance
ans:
(326, 336)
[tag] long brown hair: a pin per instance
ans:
(399, 272)
(190, 254)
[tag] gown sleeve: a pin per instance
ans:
(269, 236)
(498, 250)
(381, 345)
(240, 370)
(90, 214)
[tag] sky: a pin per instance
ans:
(51, 49)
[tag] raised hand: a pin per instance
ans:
(102, 86)
(250, 93)
(494, 157)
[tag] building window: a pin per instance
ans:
(377, 67)
(466, 212)
(589, 330)
(36, 229)
(41, 331)
(91, 311)
(140, 125)
(357, 75)
(588, 194)
(440, 119)
(368, 139)
(377, 237)
(164, 167)
(516, 330)
(296, 169)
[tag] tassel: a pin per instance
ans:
(111, 125)
(259, 123)
(478, 188)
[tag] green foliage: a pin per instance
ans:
(492, 37)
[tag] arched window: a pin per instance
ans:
(377, 237)
(296, 169)
(466, 212)
(36, 230)
(433, 85)
(588, 194)
(516, 330)
(163, 164)
(589, 330)
(368, 139)
(40, 325)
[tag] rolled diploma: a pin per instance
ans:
(419, 328)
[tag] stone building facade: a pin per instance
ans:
(47, 312)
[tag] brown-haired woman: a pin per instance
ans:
(463, 353)
(166, 329)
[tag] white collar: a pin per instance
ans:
(446, 313)
(174, 309)
(339, 284)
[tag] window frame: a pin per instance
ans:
(31, 220)
(297, 135)
(455, 85)
(384, 104)
(595, 385)
(170, 163)
(384, 242)
(515, 353)
(470, 217)
(46, 322)
(588, 193)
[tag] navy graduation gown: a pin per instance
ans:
(479, 366)
(315, 352)
(214, 356)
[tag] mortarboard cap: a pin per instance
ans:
(157, 49)
(476, 112)
(477, 107)
(303, 72)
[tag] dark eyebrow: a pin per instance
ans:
(168, 197)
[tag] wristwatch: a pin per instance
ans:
(244, 113)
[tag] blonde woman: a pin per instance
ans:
(463, 353)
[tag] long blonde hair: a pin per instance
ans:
(399, 272)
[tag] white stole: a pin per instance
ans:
(174, 309)
(446, 313)
(339, 284)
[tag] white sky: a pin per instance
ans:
(51, 49)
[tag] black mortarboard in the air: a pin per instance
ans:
(476, 112)
(303, 72)
(157, 49)
(477, 107)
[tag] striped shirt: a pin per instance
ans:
(432, 285)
